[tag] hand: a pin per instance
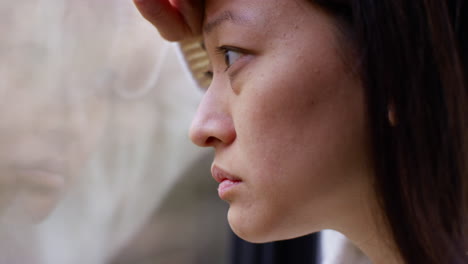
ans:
(175, 20)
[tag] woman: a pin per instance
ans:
(344, 115)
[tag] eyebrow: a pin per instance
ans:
(226, 16)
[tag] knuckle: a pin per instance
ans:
(158, 12)
(172, 35)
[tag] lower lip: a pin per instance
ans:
(41, 181)
(225, 187)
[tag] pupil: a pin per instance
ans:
(227, 59)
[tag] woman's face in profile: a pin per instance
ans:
(285, 116)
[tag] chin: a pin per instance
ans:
(254, 230)
(37, 215)
(31, 209)
(260, 236)
(264, 229)
(250, 235)
(40, 209)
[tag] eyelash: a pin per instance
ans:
(223, 50)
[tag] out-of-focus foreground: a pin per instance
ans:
(95, 162)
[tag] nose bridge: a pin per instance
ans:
(213, 123)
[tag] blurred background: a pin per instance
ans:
(95, 162)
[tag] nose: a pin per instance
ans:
(212, 125)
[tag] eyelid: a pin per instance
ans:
(224, 49)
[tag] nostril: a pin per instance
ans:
(210, 140)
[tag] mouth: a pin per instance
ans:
(37, 187)
(42, 177)
(227, 182)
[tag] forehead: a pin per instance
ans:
(250, 12)
(214, 6)
(218, 8)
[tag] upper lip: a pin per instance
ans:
(220, 175)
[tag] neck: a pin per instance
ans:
(361, 222)
(379, 250)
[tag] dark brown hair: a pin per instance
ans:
(413, 58)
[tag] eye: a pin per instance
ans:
(231, 55)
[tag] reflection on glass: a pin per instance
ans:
(51, 114)
(94, 114)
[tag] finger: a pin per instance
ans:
(165, 17)
(192, 12)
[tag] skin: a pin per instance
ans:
(175, 19)
(288, 119)
(296, 134)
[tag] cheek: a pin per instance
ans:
(301, 146)
(297, 133)
(281, 109)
